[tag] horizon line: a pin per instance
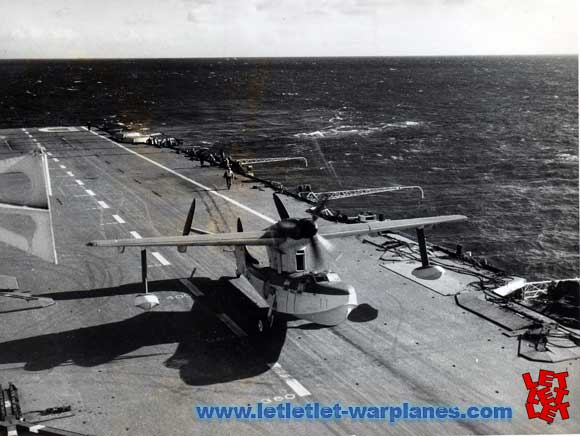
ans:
(286, 57)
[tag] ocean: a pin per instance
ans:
(494, 138)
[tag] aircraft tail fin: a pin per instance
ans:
(243, 256)
(188, 227)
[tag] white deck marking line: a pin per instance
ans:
(119, 219)
(136, 235)
(91, 193)
(49, 153)
(23, 129)
(103, 204)
(191, 287)
(181, 176)
(62, 166)
(48, 185)
(160, 258)
(34, 139)
(294, 384)
(70, 174)
(36, 428)
(230, 323)
(79, 182)
(55, 159)
(238, 331)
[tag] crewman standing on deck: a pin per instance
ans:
(229, 175)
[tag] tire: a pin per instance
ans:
(261, 326)
(265, 324)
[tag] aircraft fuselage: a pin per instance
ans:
(322, 298)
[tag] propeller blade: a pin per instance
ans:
(316, 253)
(326, 244)
(281, 208)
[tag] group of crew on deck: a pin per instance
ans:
(202, 154)
(216, 159)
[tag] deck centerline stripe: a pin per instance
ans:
(160, 258)
(230, 323)
(294, 384)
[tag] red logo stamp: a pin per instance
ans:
(546, 395)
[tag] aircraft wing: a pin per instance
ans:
(214, 239)
(344, 230)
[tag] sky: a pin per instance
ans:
(265, 28)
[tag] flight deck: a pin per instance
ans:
(125, 371)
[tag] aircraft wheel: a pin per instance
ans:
(261, 326)
(265, 324)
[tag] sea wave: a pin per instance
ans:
(566, 157)
(349, 130)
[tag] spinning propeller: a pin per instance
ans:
(303, 228)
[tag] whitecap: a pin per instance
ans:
(566, 157)
(315, 134)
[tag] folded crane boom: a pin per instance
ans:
(318, 197)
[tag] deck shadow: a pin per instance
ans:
(207, 351)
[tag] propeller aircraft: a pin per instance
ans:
(292, 283)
